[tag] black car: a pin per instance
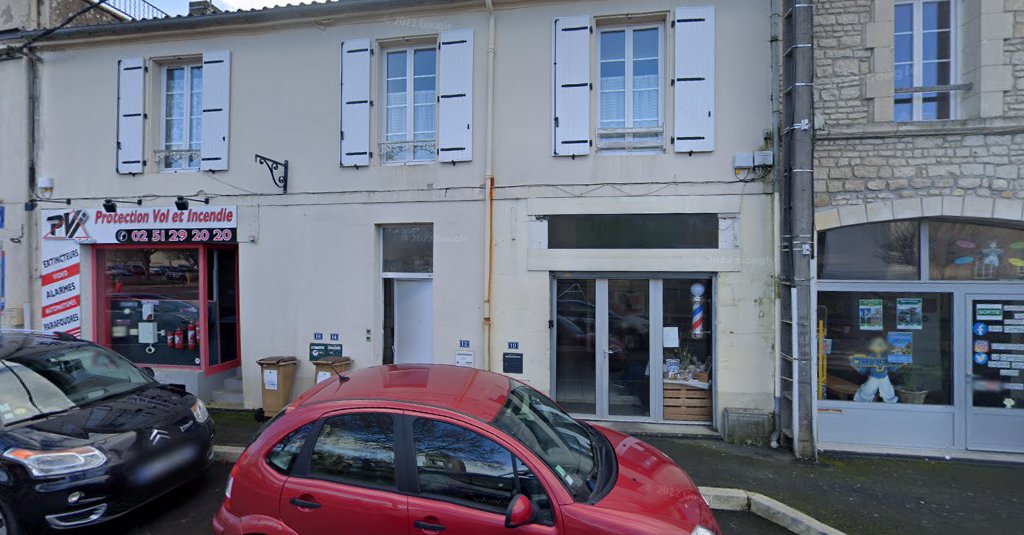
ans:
(86, 436)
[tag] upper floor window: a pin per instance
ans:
(182, 109)
(410, 111)
(924, 64)
(630, 111)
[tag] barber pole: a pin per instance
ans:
(697, 323)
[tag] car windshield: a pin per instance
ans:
(52, 381)
(561, 442)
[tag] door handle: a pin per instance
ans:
(305, 504)
(427, 526)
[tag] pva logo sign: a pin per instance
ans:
(68, 226)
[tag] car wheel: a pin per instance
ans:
(8, 524)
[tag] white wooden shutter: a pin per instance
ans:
(695, 79)
(571, 75)
(455, 97)
(131, 75)
(216, 110)
(355, 103)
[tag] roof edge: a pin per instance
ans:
(232, 18)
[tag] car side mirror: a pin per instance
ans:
(148, 371)
(519, 512)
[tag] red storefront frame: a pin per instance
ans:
(101, 320)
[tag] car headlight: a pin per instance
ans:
(701, 530)
(199, 411)
(57, 462)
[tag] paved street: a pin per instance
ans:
(188, 510)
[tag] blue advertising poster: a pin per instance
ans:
(1, 217)
(901, 347)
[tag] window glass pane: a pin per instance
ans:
(408, 248)
(458, 465)
(425, 62)
(903, 48)
(645, 43)
(903, 108)
(176, 80)
(934, 106)
(968, 251)
(904, 76)
(996, 360)
(282, 456)
(149, 292)
(197, 79)
(576, 331)
(904, 17)
(880, 251)
(935, 45)
(396, 64)
(633, 231)
(690, 357)
(887, 346)
(613, 45)
(935, 15)
(629, 348)
(935, 73)
(356, 448)
(532, 488)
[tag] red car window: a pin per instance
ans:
(356, 449)
(283, 455)
(461, 466)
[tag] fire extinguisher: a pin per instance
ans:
(179, 339)
(170, 339)
(191, 336)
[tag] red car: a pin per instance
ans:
(441, 449)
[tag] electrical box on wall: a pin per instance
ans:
(763, 158)
(743, 160)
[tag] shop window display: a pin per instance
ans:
(152, 304)
(891, 347)
(968, 251)
(881, 251)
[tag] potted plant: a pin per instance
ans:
(913, 386)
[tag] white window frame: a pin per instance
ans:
(410, 77)
(628, 130)
(917, 32)
(187, 67)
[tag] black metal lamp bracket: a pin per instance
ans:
(278, 171)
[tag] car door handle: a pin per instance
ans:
(428, 526)
(305, 504)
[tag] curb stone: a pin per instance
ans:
(767, 508)
(718, 498)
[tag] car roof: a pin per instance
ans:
(476, 393)
(20, 342)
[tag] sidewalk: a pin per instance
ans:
(865, 495)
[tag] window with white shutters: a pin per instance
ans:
(355, 103)
(571, 92)
(694, 79)
(131, 73)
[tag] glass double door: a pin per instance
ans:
(603, 347)
(995, 372)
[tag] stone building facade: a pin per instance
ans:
(904, 172)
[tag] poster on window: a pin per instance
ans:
(871, 315)
(998, 354)
(901, 347)
(909, 313)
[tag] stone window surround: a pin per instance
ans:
(981, 28)
(980, 208)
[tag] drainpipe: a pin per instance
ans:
(489, 189)
(776, 17)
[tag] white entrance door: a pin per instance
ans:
(414, 321)
(995, 364)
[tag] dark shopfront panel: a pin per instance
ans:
(169, 305)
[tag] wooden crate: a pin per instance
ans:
(687, 403)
